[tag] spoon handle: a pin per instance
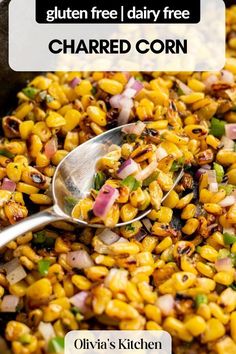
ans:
(37, 220)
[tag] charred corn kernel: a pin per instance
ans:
(5, 196)
(26, 128)
(58, 156)
(42, 199)
(61, 246)
(164, 244)
(121, 310)
(102, 297)
(196, 325)
(191, 226)
(35, 145)
(176, 327)
(188, 212)
(187, 265)
(213, 141)
(217, 312)
(51, 312)
(147, 293)
(71, 141)
(15, 212)
(224, 278)
(231, 215)
(72, 119)
(171, 200)
(149, 243)
(137, 198)
(161, 229)
(205, 269)
(225, 345)
(26, 188)
(145, 258)
(15, 330)
(104, 260)
(196, 85)
(153, 313)
(132, 293)
(82, 208)
(18, 289)
(97, 115)
(156, 194)
(41, 130)
(195, 131)
(184, 201)
(213, 208)
(214, 330)
(209, 253)
(110, 86)
(81, 282)
(40, 290)
(128, 212)
(96, 272)
(27, 263)
(192, 97)
(14, 171)
(145, 109)
(128, 232)
(183, 280)
(55, 120)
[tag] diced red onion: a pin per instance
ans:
(105, 200)
(129, 92)
(134, 84)
(79, 259)
(128, 168)
(9, 303)
(223, 265)
(122, 240)
(166, 304)
(8, 185)
(161, 153)
(46, 330)
(147, 171)
(140, 235)
(227, 201)
(74, 82)
(79, 301)
(184, 88)
(227, 143)
(126, 105)
(136, 129)
(212, 182)
(210, 81)
(230, 131)
(147, 223)
(51, 147)
(108, 237)
(200, 172)
(115, 101)
(15, 271)
(206, 167)
(227, 77)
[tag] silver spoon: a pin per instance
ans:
(73, 178)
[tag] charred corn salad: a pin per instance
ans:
(174, 270)
(133, 176)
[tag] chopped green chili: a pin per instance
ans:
(228, 188)
(219, 172)
(43, 266)
(56, 345)
(217, 127)
(229, 239)
(200, 299)
(6, 153)
(99, 181)
(131, 183)
(30, 92)
(150, 179)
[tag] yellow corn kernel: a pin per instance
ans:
(96, 272)
(164, 244)
(188, 212)
(18, 289)
(58, 290)
(121, 310)
(217, 312)
(214, 330)
(59, 156)
(42, 199)
(192, 97)
(35, 145)
(209, 253)
(204, 311)
(224, 278)
(195, 131)
(5, 196)
(164, 215)
(15, 212)
(225, 345)
(63, 302)
(24, 109)
(81, 282)
(52, 312)
(71, 141)
(15, 330)
(153, 313)
(196, 325)
(171, 200)
(196, 85)
(213, 141)
(84, 88)
(41, 130)
(231, 215)
(26, 188)
(102, 297)
(132, 293)
(97, 115)
(191, 226)
(153, 326)
(177, 328)
(55, 120)
(226, 157)
(72, 119)
(119, 248)
(145, 110)
(25, 129)
(184, 201)
(205, 269)
(42, 160)
(111, 86)
(232, 176)
(128, 212)
(183, 280)
(213, 208)
(41, 82)
(40, 290)
(147, 293)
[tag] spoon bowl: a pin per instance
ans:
(73, 179)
